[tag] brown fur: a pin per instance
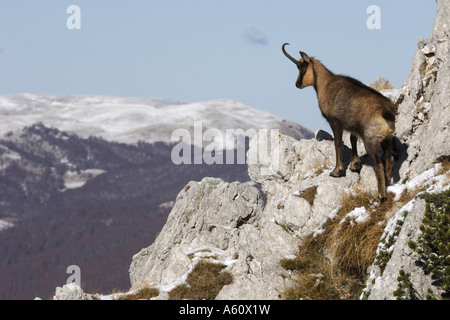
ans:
(349, 105)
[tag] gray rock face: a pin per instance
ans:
(423, 124)
(206, 214)
(71, 292)
(270, 157)
(403, 258)
(381, 84)
(382, 283)
(309, 165)
(227, 222)
(424, 115)
(223, 222)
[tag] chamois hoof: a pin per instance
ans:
(337, 173)
(382, 197)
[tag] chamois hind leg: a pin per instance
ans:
(339, 169)
(372, 150)
(355, 164)
(386, 145)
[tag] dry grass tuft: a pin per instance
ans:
(317, 278)
(352, 246)
(445, 163)
(333, 265)
(143, 294)
(203, 283)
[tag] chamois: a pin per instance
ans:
(347, 104)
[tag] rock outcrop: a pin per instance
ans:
(403, 258)
(223, 222)
(71, 291)
(228, 223)
(423, 127)
(424, 113)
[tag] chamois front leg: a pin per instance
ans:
(355, 164)
(386, 145)
(339, 169)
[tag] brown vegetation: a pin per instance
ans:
(204, 282)
(332, 265)
(143, 294)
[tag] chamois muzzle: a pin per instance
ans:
(288, 55)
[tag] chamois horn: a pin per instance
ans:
(288, 55)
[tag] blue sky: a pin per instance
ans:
(197, 50)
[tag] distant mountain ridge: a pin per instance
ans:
(88, 180)
(129, 120)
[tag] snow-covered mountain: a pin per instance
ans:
(128, 120)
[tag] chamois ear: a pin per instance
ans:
(305, 56)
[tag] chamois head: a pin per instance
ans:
(304, 65)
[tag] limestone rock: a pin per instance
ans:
(423, 120)
(402, 258)
(227, 222)
(270, 156)
(382, 285)
(381, 84)
(70, 292)
(223, 222)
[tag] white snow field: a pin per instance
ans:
(129, 120)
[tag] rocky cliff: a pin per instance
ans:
(259, 237)
(424, 112)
